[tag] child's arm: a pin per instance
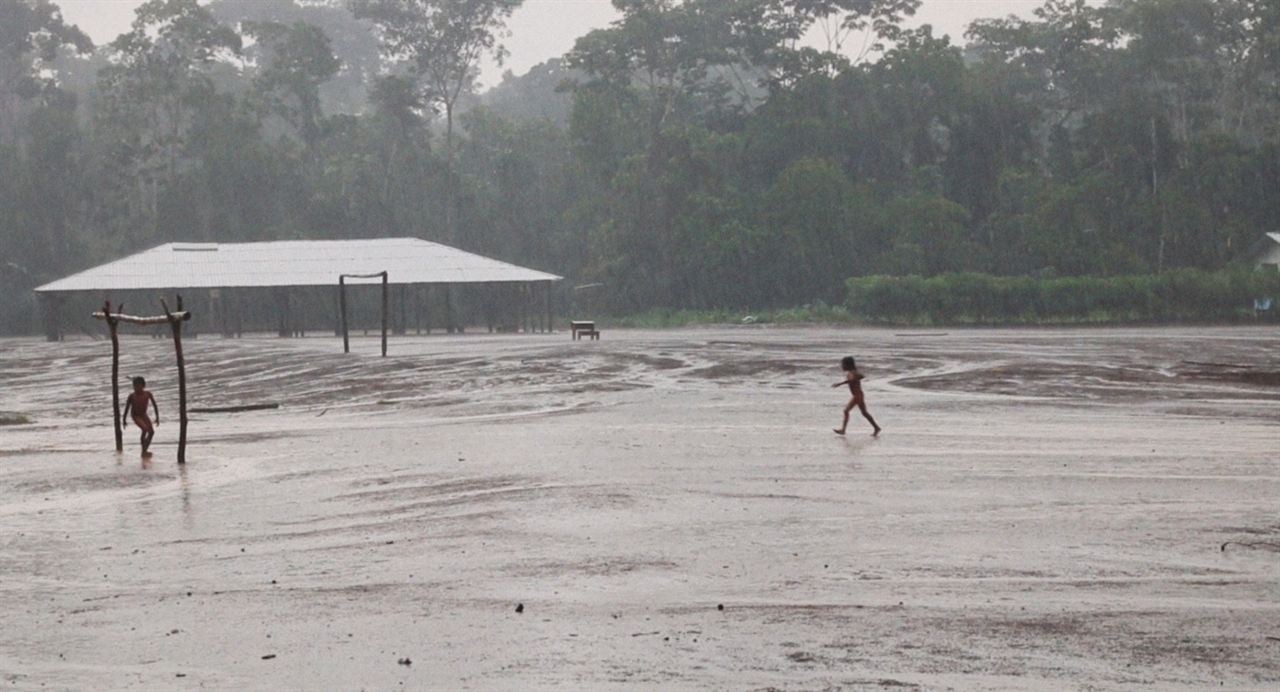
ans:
(848, 377)
(124, 417)
(156, 407)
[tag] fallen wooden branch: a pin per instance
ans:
(1252, 544)
(235, 409)
(133, 319)
(1217, 365)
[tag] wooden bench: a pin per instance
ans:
(581, 328)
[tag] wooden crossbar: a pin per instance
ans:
(182, 315)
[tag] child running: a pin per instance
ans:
(853, 378)
(136, 406)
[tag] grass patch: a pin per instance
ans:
(665, 318)
(7, 418)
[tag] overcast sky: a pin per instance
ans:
(543, 29)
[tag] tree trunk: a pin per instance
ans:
(450, 220)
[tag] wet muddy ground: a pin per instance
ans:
(1078, 509)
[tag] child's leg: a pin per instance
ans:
(148, 432)
(862, 406)
(844, 425)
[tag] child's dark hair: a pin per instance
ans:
(847, 363)
(139, 381)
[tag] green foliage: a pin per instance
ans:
(1181, 295)
(660, 318)
(32, 34)
(441, 42)
(693, 156)
(354, 42)
(297, 60)
(7, 418)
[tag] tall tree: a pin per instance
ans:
(151, 94)
(441, 42)
(299, 58)
(877, 23)
(352, 41)
(32, 33)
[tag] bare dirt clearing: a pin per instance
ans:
(1046, 509)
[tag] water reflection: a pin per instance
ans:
(184, 486)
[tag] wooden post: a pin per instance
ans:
(448, 308)
(337, 309)
(282, 304)
(298, 323)
(384, 314)
(486, 305)
(402, 327)
(460, 315)
(547, 297)
(426, 308)
(175, 323)
(193, 328)
(342, 313)
(52, 305)
(113, 325)
(224, 312)
(524, 307)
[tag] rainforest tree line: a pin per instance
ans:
(695, 154)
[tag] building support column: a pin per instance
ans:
(282, 306)
(403, 324)
(51, 308)
(385, 308)
(342, 313)
(337, 309)
(426, 308)
(448, 309)
(546, 297)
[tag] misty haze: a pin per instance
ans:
(640, 344)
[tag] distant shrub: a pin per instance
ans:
(662, 318)
(1179, 295)
(7, 418)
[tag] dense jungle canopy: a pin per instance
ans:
(696, 154)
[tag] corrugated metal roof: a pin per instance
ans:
(293, 263)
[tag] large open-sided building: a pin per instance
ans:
(290, 286)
